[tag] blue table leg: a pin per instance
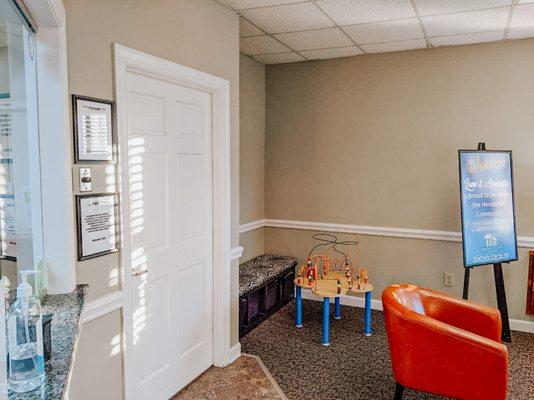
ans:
(367, 313)
(326, 321)
(337, 308)
(298, 306)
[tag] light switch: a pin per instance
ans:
(85, 180)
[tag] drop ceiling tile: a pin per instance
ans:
(243, 4)
(523, 16)
(349, 12)
(469, 38)
(288, 18)
(469, 22)
(395, 46)
(385, 31)
(247, 29)
(332, 53)
(260, 45)
(316, 39)
(279, 58)
(433, 7)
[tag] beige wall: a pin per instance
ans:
(253, 243)
(421, 262)
(98, 363)
(251, 152)
(373, 140)
(200, 34)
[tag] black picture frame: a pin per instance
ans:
(77, 160)
(509, 153)
(79, 240)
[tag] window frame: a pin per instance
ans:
(55, 144)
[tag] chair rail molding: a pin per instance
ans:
(102, 306)
(251, 226)
(114, 301)
(407, 233)
(236, 253)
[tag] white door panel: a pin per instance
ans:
(170, 180)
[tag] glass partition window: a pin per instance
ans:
(21, 241)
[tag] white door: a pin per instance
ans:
(169, 235)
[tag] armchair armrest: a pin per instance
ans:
(473, 317)
(432, 356)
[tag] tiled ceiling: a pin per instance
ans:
(284, 31)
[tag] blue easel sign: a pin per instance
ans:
(487, 199)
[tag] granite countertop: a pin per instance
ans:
(66, 310)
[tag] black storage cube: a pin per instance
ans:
(243, 303)
(288, 286)
(271, 295)
(253, 306)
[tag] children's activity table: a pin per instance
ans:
(327, 288)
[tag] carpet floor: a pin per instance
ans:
(353, 367)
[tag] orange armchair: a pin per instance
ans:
(446, 346)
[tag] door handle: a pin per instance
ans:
(139, 272)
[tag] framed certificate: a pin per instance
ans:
(93, 129)
(97, 233)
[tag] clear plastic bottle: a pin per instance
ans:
(25, 340)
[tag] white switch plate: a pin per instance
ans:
(448, 279)
(85, 180)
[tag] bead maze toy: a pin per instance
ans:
(332, 278)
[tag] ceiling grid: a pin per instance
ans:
(282, 31)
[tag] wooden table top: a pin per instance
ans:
(328, 287)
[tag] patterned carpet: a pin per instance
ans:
(353, 367)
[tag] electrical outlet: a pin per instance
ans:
(448, 279)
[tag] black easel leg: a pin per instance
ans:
(501, 302)
(399, 392)
(467, 276)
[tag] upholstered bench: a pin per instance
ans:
(265, 285)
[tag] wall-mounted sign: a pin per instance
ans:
(97, 234)
(93, 129)
(487, 200)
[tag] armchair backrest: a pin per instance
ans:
(443, 345)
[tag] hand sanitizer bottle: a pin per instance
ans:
(25, 339)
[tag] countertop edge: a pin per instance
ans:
(68, 378)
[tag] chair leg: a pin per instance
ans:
(399, 392)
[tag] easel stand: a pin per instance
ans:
(501, 298)
(499, 287)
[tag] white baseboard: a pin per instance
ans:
(515, 324)
(235, 353)
(346, 301)
(522, 325)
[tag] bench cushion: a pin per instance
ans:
(259, 270)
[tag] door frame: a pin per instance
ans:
(127, 59)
